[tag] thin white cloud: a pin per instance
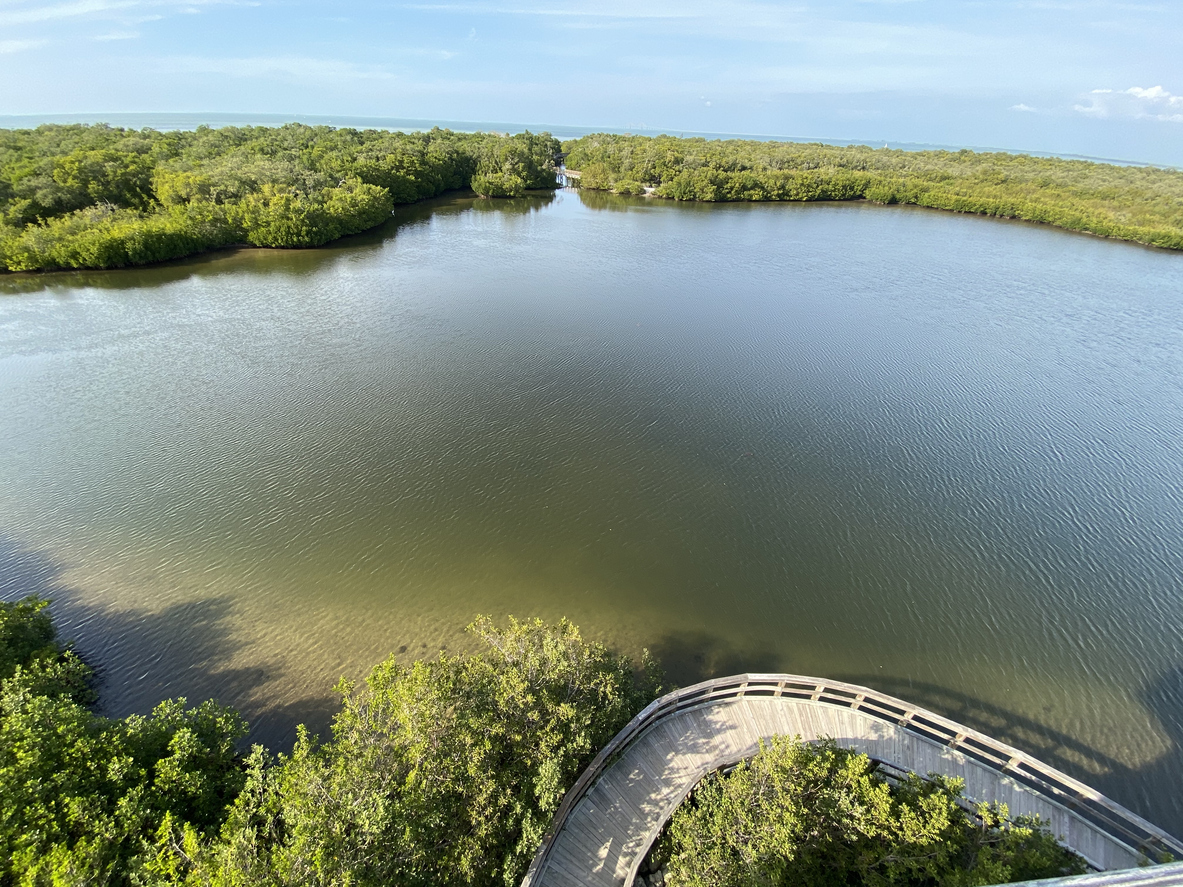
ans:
(1138, 102)
(1088, 6)
(63, 10)
(1024, 108)
(296, 69)
(42, 12)
(817, 37)
(7, 46)
(587, 12)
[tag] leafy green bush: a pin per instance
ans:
(287, 218)
(446, 772)
(82, 794)
(498, 183)
(514, 164)
(627, 186)
(816, 814)
(108, 237)
(27, 635)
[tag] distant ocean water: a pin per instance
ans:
(561, 131)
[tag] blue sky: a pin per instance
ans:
(1073, 76)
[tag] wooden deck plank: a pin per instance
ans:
(610, 816)
(559, 876)
(754, 730)
(580, 871)
(766, 716)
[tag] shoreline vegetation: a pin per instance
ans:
(444, 772)
(1142, 204)
(817, 814)
(95, 197)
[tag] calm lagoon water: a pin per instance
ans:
(938, 455)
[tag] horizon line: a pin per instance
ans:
(577, 130)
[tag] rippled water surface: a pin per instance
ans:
(934, 454)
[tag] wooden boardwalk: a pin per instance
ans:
(612, 815)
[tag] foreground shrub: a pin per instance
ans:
(816, 814)
(109, 237)
(27, 635)
(446, 772)
(81, 795)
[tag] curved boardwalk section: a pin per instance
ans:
(612, 815)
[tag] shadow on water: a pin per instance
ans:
(1161, 782)
(1153, 790)
(621, 203)
(688, 657)
(24, 572)
(141, 658)
(514, 206)
(241, 260)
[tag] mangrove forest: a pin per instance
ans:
(95, 196)
(102, 197)
(1138, 203)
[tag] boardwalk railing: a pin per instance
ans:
(1110, 817)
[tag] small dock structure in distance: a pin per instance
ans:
(612, 815)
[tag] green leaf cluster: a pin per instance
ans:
(82, 794)
(816, 815)
(104, 197)
(27, 635)
(1143, 204)
(514, 166)
(443, 772)
(446, 772)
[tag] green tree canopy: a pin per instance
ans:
(80, 795)
(101, 197)
(27, 635)
(816, 815)
(446, 772)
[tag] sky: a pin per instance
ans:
(1089, 77)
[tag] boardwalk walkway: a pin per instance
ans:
(612, 815)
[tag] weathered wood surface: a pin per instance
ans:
(615, 811)
(1169, 875)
